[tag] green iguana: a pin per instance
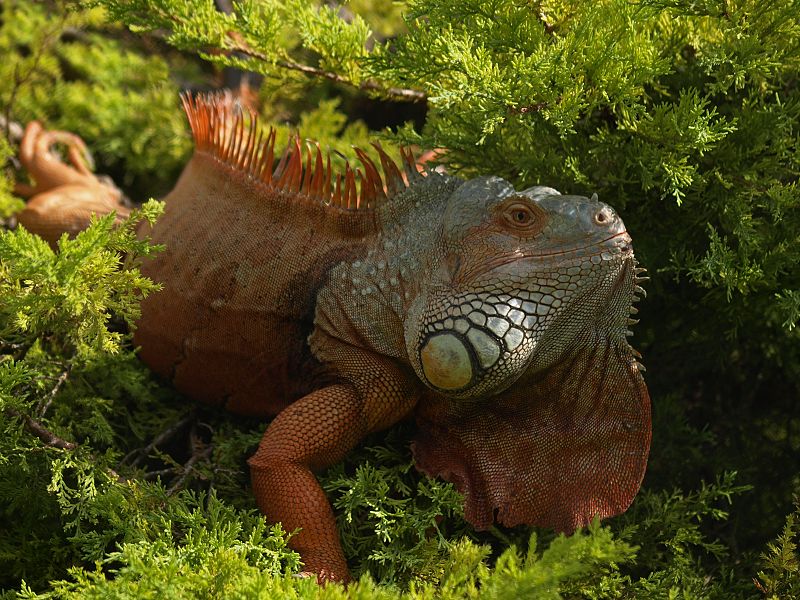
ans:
(344, 303)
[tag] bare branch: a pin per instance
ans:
(402, 93)
(51, 439)
(153, 475)
(162, 437)
(13, 129)
(538, 106)
(199, 454)
(548, 26)
(239, 45)
(15, 350)
(40, 431)
(44, 403)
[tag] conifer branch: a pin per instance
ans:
(162, 22)
(162, 437)
(369, 85)
(199, 453)
(40, 431)
(240, 46)
(44, 403)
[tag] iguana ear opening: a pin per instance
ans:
(555, 450)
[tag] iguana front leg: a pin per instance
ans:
(314, 433)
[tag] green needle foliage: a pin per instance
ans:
(70, 69)
(684, 115)
(781, 575)
(9, 204)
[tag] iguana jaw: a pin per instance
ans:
(480, 342)
(615, 247)
(568, 441)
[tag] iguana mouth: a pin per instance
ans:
(622, 245)
(620, 250)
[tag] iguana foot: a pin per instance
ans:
(65, 196)
(324, 576)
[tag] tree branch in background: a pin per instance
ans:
(40, 431)
(168, 433)
(400, 93)
(200, 451)
(44, 403)
(239, 45)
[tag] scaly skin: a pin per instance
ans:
(498, 318)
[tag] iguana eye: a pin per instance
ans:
(521, 217)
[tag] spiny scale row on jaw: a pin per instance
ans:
(222, 127)
(638, 290)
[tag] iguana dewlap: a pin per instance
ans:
(344, 303)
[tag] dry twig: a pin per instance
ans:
(162, 437)
(40, 431)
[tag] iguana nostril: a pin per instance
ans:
(604, 216)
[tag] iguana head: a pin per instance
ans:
(522, 276)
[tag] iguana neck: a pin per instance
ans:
(408, 246)
(366, 300)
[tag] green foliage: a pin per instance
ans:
(568, 567)
(69, 390)
(781, 575)
(680, 557)
(590, 564)
(67, 297)
(9, 204)
(54, 342)
(195, 547)
(681, 114)
(71, 70)
(261, 33)
(397, 524)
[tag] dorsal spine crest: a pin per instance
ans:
(231, 134)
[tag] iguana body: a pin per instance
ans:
(498, 318)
